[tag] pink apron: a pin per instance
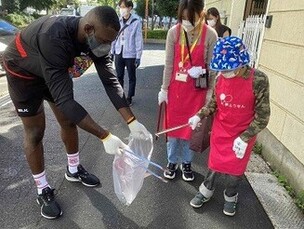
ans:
(184, 100)
(235, 101)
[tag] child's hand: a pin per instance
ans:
(239, 147)
(193, 121)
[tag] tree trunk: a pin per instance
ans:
(170, 22)
(153, 23)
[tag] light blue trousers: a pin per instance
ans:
(178, 151)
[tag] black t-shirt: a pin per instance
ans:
(50, 44)
(222, 29)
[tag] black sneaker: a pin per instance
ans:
(50, 209)
(170, 171)
(82, 176)
(187, 173)
(129, 101)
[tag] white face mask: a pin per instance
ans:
(211, 22)
(101, 50)
(187, 26)
(123, 11)
(228, 74)
(97, 48)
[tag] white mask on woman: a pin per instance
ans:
(123, 11)
(211, 22)
(187, 26)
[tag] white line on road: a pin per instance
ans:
(4, 104)
(5, 100)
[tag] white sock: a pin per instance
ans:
(73, 162)
(41, 182)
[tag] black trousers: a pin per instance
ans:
(120, 64)
(231, 185)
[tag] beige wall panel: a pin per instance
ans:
(300, 72)
(236, 16)
(217, 4)
(283, 30)
(293, 137)
(275, 32)
(227, 5)
(213, 3)
(281, 5)
(281, 58)
(286, 94)
(277, 121)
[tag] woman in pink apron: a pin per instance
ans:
(240, 104)
(189, 47)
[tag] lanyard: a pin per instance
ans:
(190, 50)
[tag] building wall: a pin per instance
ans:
(281, 58)
(236, 12)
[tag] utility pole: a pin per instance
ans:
(153, 22)
(147, 17)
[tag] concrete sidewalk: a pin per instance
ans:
(276, 201)
(263, 202)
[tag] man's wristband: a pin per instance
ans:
(105, 135)
(131, 120)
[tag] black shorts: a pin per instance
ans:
(28, 94)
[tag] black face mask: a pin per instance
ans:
(97, 48)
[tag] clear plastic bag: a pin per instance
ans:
(129, 170)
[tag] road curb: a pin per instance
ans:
(155, 41)
(274, 198)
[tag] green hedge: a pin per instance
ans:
(157, 34)
(19, 19)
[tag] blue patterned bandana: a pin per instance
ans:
(229, 53)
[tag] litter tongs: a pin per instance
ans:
(126, 150)
(171, 129)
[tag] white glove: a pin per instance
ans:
(239, 147)
(196, 71)
(162, 96)
(138, 130)
(113, 145)
(193, 121)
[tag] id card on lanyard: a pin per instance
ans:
(200, 75)
(181, 76)
(122, 39)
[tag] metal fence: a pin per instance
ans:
(251, 31)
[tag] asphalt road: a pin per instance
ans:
(158, 204)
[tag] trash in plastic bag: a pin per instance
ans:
(129, 169)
